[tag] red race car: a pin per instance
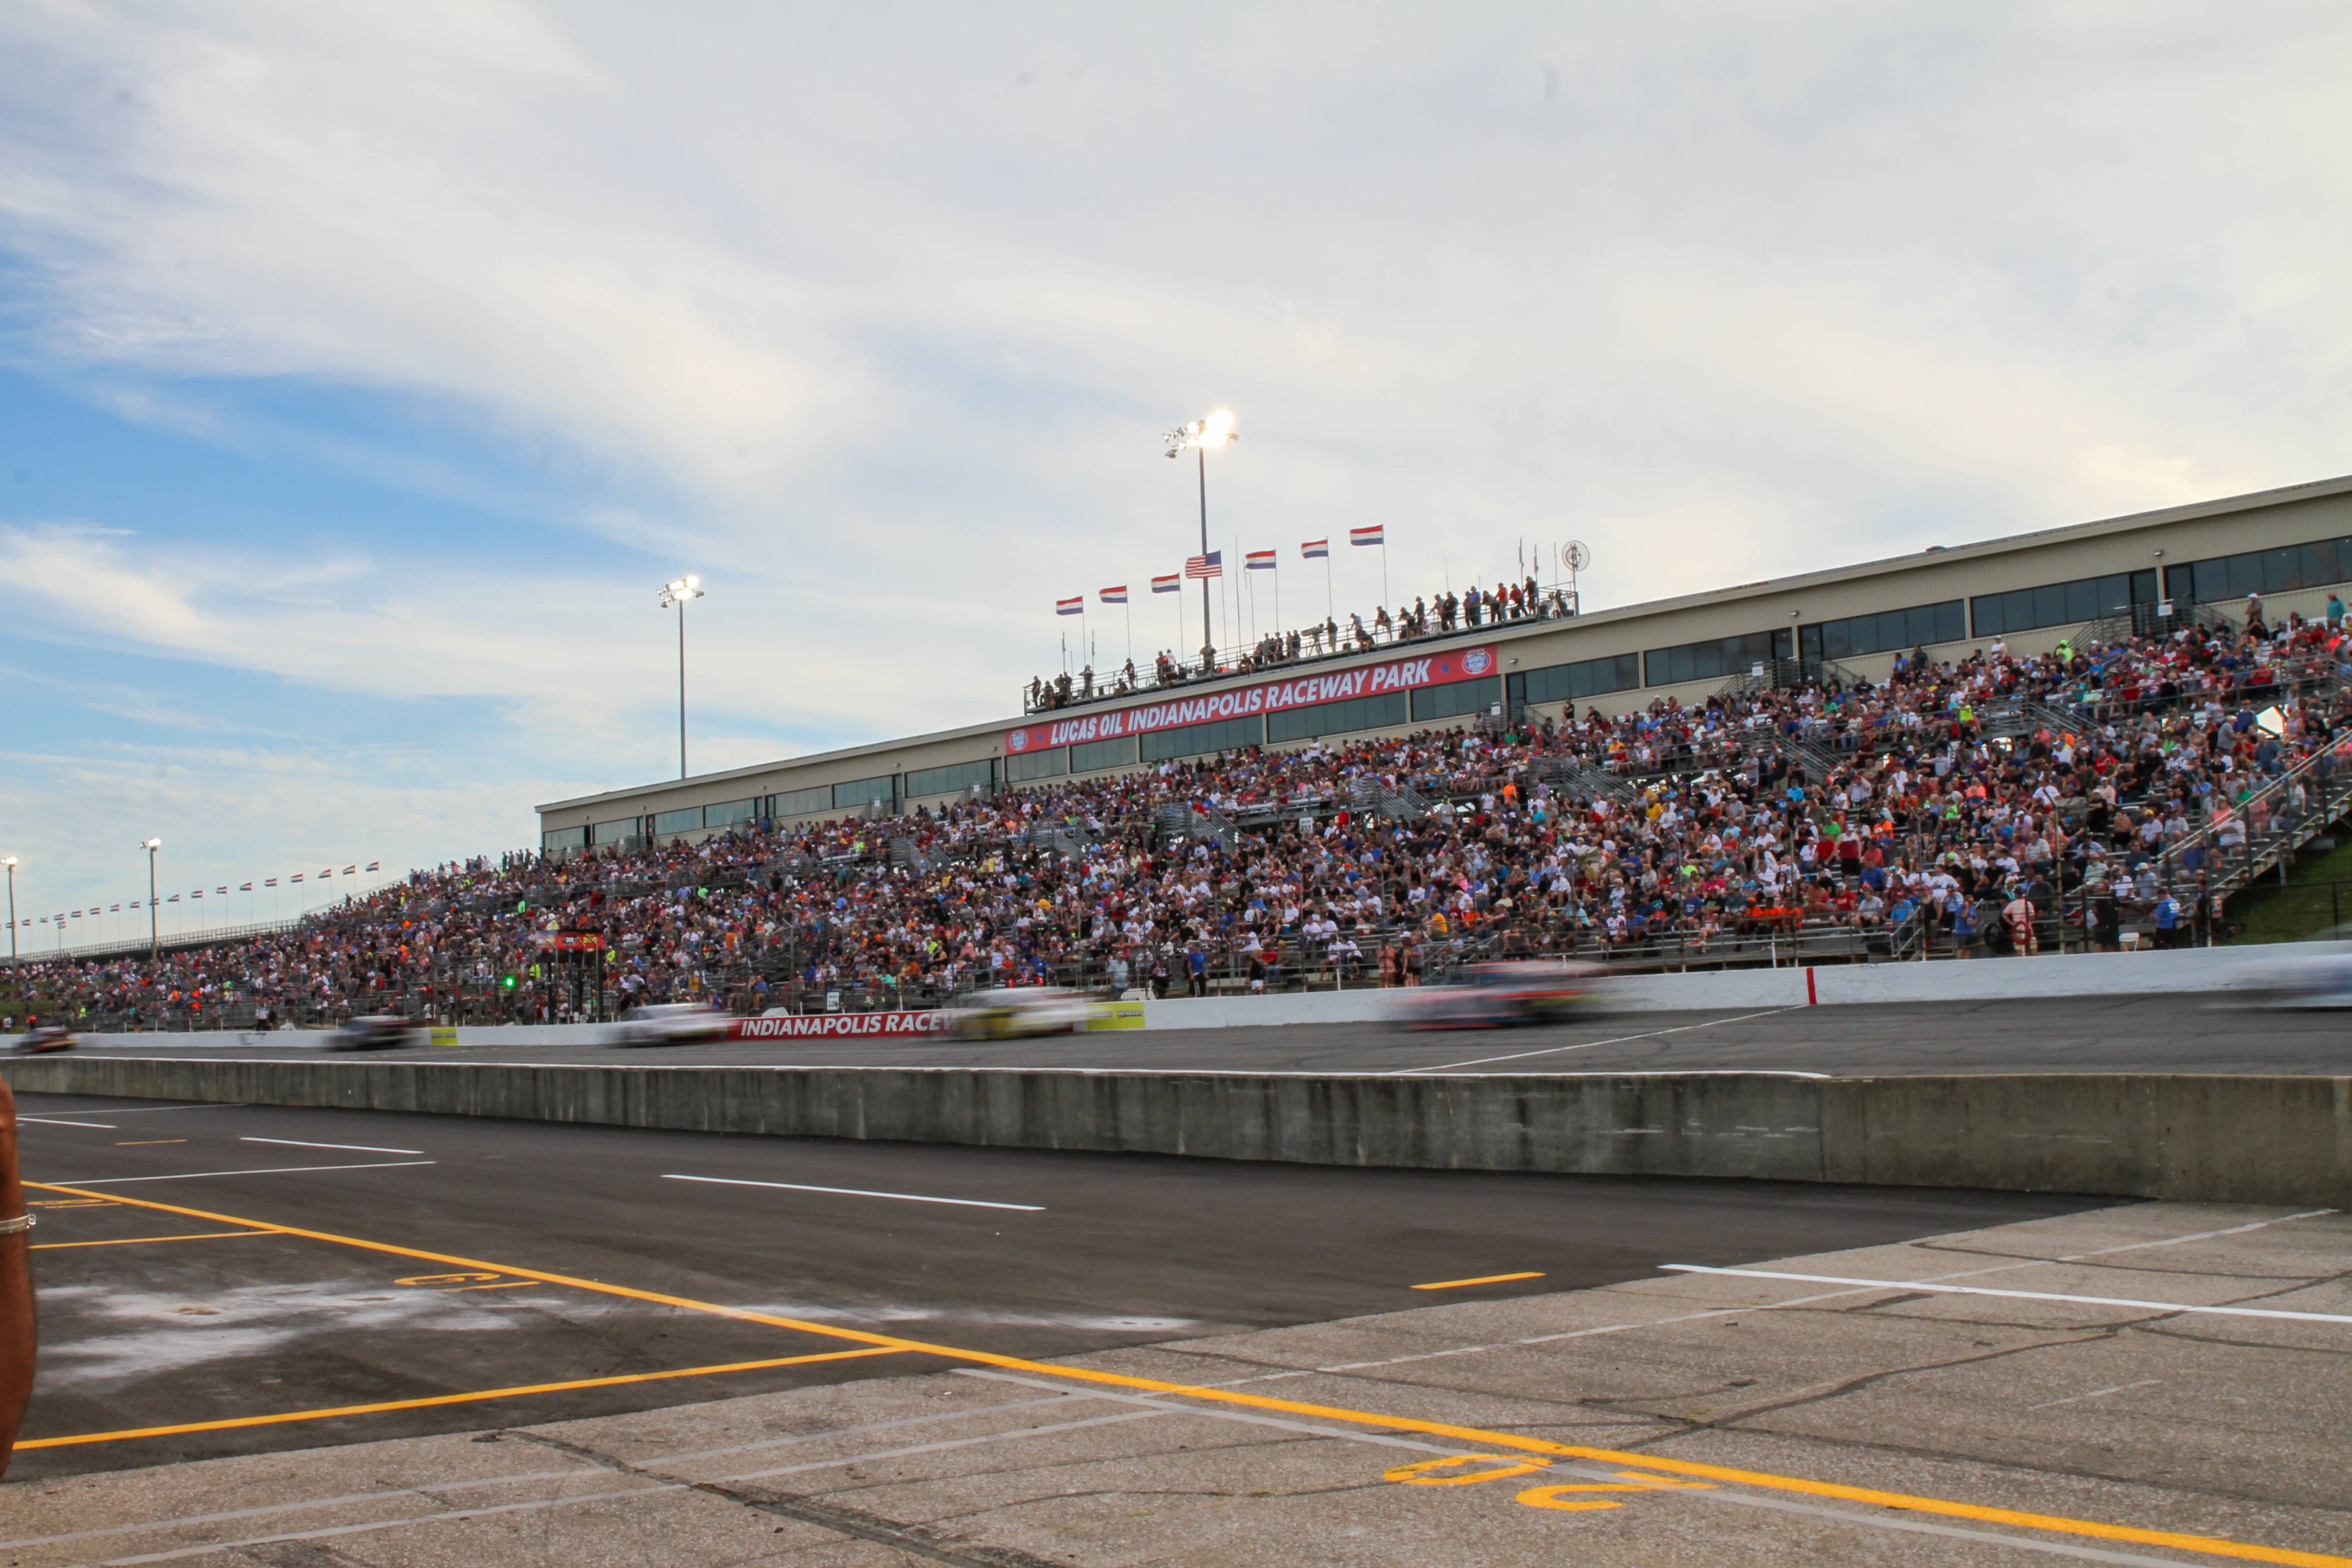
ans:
(1494, 995)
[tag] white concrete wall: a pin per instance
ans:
(1971, 980)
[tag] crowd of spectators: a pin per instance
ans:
(1474, 608)
(1997, 804)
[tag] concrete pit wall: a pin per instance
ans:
(2216, 1139)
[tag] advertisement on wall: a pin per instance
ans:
(1268, 697)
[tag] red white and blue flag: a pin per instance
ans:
(372, 865)
(1076, 606)
(269, 882)
(1366, 535)
(1168, 585)
(1316, 549)
(297, 876)
(244, 887)
(1258, 560)
(1213, 565)
(1115, 596)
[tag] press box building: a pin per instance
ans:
(2292, 546)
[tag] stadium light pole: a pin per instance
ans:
(674, 596)
(1203, 434)
(11, 863)
(154, 941)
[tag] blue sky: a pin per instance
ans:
(364, 370)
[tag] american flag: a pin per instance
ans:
(1213, 565)
(1316, 549)
(1168, 585)
(1076, 606)
(1258, 560)
(1115, 596)
(1366, 535)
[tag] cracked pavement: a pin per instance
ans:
(1688, 1418)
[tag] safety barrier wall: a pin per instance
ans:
(2209, 1139)
(1985, 980)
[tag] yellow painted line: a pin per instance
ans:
(516, 1393)
(135, 1240)
(1482, 1280)
(146, 1142)
(1941, 1507)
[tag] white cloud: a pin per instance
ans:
(873, 317)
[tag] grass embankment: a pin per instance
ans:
(2317, 895)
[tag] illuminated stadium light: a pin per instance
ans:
(1202, 436)
(675, 593)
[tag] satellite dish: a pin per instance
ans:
(1576, 554)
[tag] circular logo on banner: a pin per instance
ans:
(1476, 660)
(1017, 741)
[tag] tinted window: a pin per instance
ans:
(689, 820)
(800, 802)
(1458, 698)
(953, 779)
(1192, 739)
(865, 792)
(731, 813)
(1098, 754)
(1030, 766)
(1586, 678)
(1337, 718)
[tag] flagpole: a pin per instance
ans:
(1328, 613)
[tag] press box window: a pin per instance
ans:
(1716, 658)
(1096, 756)
(953, 779)
(800, 802)
(1889, 631)
(2282, 570)
(2061, 604)
(865, 792)
(732, 813)
(1194, 739)
(689, 820)
(1586, 678)
(1457, 698)
(1380, 712)
(563, 840)
(1022, 767)
(617, 832)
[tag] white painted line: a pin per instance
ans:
(355, 1148)
(2017, 1295)
(59, 1121)
(856, 1192)
(2096, 1394)
(273, 1170)
(1590, 1044)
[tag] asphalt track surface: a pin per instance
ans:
(2175, 1033)
(226, 1267)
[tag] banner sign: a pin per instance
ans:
(1268, 697)
(809, 1025)
(568, 941)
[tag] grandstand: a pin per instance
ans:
(2096, 764)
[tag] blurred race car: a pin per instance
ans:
(377, 1032)
(2293, 975)
(1016, 1012)
(1494, 995)
(46, 1038)
(671, 1024)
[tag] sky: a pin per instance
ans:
(364, 371)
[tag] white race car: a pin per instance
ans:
(1016, 1012)
(671, 1024)
(2296, 975)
